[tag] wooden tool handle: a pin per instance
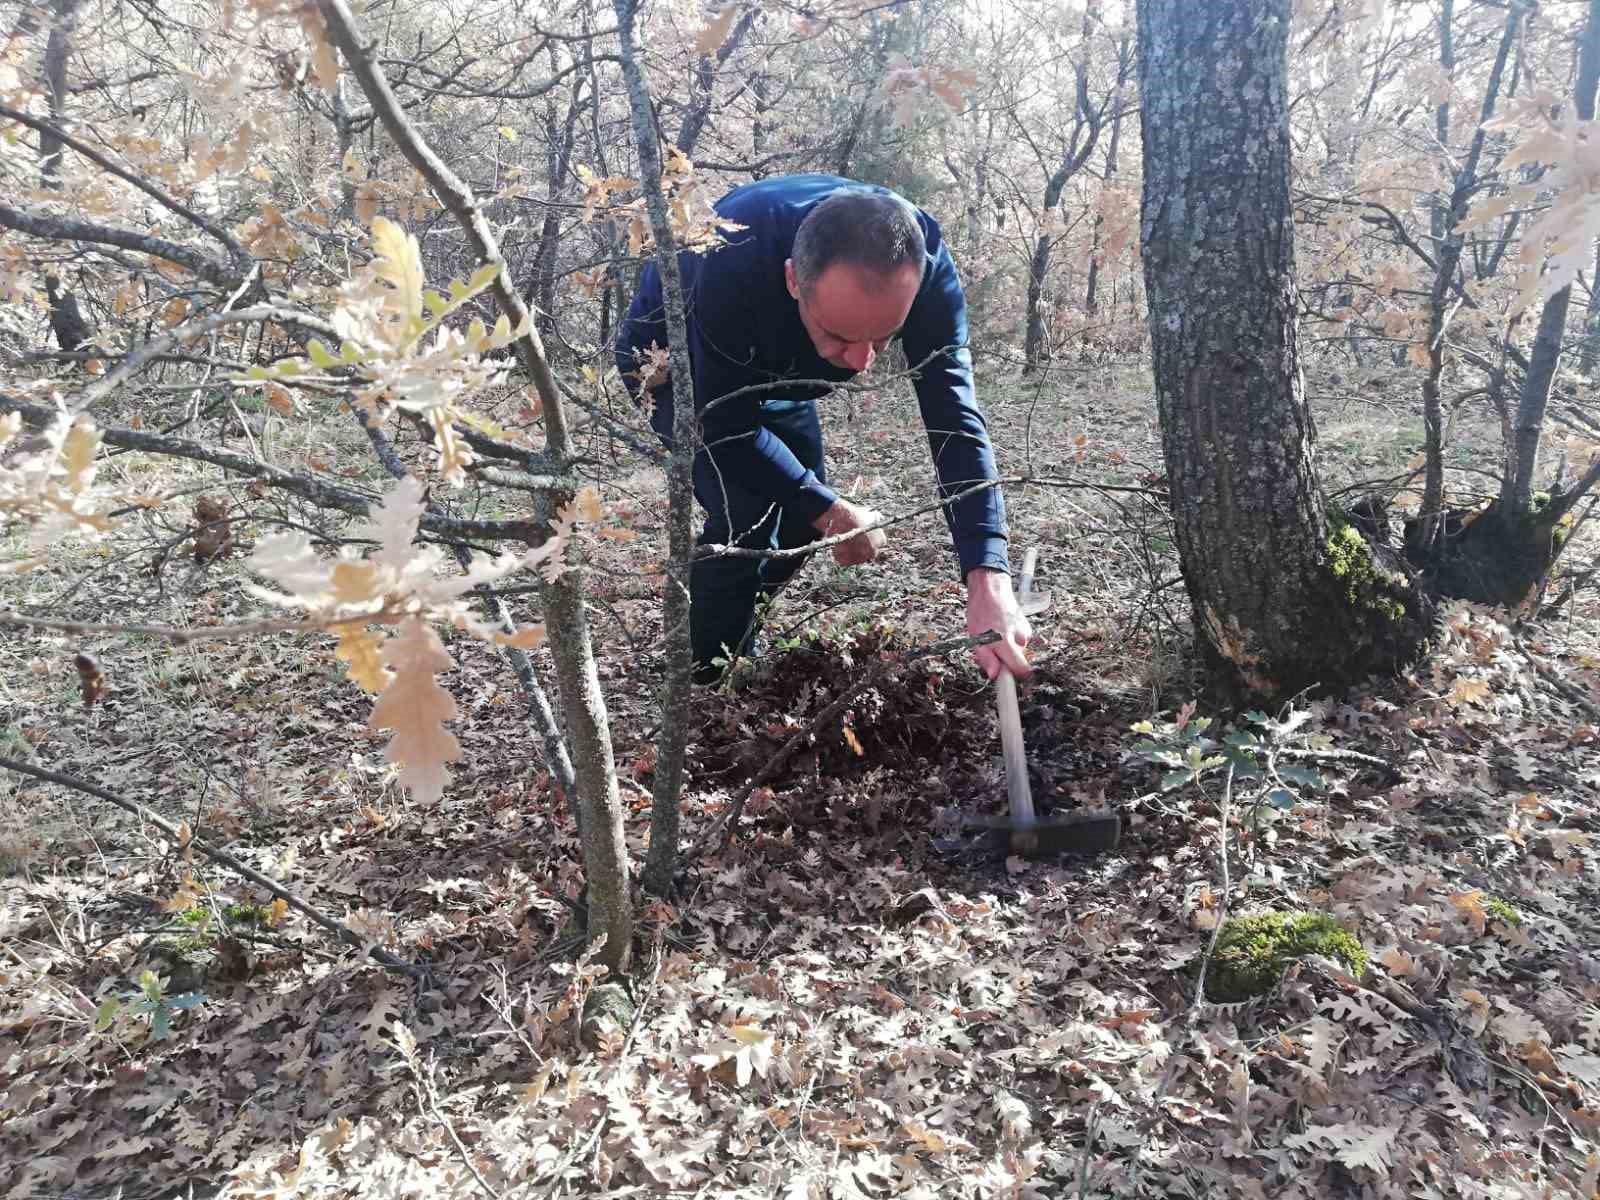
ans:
(1018, 793)
(1030, 561)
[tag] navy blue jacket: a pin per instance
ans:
(745, 329)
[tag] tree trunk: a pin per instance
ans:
(671, 739)
(1033, 341)
(1591, 322)
(1091, 301)
(1283, 597)
(1449, 242)
(1516, 496)
(605, 852)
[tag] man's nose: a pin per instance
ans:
(859, 355)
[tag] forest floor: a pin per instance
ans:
(843, 1002)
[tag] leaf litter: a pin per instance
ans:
(831, 1008)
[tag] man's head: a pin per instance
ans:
(857, 264)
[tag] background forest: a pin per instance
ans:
(360, 831)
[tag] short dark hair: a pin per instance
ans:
(872, 229)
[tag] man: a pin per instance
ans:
(824, 274)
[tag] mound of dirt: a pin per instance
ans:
(918, 715)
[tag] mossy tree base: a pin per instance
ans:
(1487, 558)
(609, 1008)
(1253, 952)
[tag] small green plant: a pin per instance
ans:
(150, 1003)
(1500, 910)
(1185, 748)
(1252, 952)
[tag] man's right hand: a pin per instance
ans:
(842, 518)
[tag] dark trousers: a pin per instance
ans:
(724, 592)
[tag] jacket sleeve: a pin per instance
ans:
(725, 349)
(935, 341)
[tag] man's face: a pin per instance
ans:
(851, 313)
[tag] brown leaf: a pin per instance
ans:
(716, 30)
(91, 679)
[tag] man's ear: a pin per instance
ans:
(789, 280)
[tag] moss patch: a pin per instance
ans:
(1362, 585)
(1253, 951)
(1499, 910)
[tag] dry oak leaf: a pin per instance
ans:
(416, 708)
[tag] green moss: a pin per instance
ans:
(247, 914)
(1361, 584)
(1499, 910)
(1253, 951)
(195, 918)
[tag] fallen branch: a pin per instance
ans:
(726, 823)
(186, 839)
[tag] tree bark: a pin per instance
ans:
(1447, 261)
(663, 857)
(1278, 604)
(1516, 495)
(1091, 301)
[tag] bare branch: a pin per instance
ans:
(71, 229)
(239, 254)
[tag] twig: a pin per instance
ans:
(427, 1096)
(1090, 1129)
(1369, 760)
(182, 637)
(1205, 961)
(185, 839)
(726, 823)
(1222, 906)
(1567, 692)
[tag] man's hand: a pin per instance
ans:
(991, 604)
(842, 518)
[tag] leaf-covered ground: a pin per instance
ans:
(841, 1003)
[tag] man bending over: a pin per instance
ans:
(824, 275)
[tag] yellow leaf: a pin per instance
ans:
(508, 133)
(853, 741)
(277, 912)
(415, 707)
(1468, 691)
(399, 264)
(588, 503)
(354, 582)
(716, 30)
(77, 456)
(321, 356)
(362, 649)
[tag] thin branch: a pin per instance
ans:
(238, 253)
(318, 492)
(186, 839)
(70, 229)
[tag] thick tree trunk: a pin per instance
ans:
(1282, 597)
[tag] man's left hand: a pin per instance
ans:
(991, 604)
